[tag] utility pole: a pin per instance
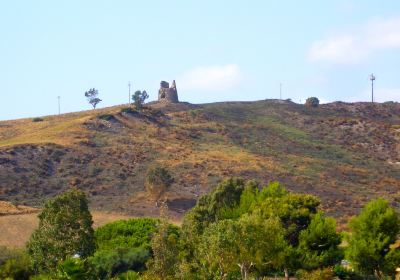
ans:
(59, 106)
(280, 91)
(129, 86)
(372, 78)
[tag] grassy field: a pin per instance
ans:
(16, 229)
(344, 153)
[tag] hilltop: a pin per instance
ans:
(346, 153)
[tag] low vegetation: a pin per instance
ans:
(158, 180)
(37, 119)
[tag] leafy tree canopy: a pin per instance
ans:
(92, 97)
(319, 243)
(374, 230)
(139, 98)
(234, 199)
(157, 181)
(126, 234)
(65, 229)
(312, 102)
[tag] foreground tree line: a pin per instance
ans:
(238, 231)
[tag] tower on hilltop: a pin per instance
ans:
(168, 94)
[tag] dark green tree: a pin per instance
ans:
(210, 207)
(65, 229)
(157, 181)
(139, 98)
(16, 265)
(235, 247)
(234, 198)
(312, 102)
(92, 97)
(372, 249)
(319, 243)
(295, 212)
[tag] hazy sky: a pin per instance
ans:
(215, 50)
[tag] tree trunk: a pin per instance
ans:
(286, 273)
(244, 271)
(379, 274)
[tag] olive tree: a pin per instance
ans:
(92, 97)
(138, 99)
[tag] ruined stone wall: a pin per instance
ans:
(168, 94)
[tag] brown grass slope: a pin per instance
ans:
(344, 153)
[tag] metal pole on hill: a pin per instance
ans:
(129, 87)
(372, 78)
(280, 91)
(59, 106)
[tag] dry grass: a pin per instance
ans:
(64, 131)
(7, 208)
(326, 152)
(15, 230)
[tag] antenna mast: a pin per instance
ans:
(59, 106)
(372, 78)
(129, 87)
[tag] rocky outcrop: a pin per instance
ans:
(168, 94)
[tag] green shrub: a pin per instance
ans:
(129, 275)
(318, 274)
(37, 120)
(106, 117)
(155, 112)
(108, 263)
(121, 246)
(71, 269)
(157, 181)
(346, 274)
(6, 254)
(130, 233)
(312, 102)
(17, 267)
(128, 110)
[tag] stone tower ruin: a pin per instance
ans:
(168, 94)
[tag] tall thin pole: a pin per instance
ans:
(372, 78)
(280, 91)
(129, 86)
(59, 105)
(372, 90)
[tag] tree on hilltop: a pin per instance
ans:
(92, 97)
(138, 99)
(312, 102)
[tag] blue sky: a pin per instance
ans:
(215, 50)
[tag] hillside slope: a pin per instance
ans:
(344, 153)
